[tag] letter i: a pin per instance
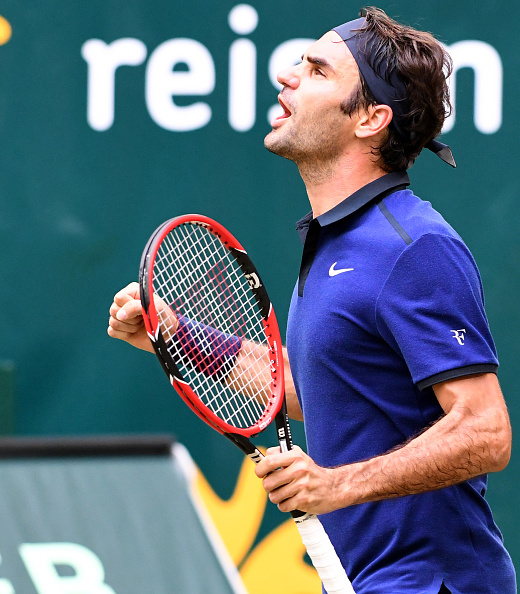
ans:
(243, 20)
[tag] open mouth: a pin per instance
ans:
(286, 113)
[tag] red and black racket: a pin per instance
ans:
(215, 333)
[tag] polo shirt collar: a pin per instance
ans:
(355, 201)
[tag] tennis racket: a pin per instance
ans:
(214, 330)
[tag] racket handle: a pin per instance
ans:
(323, 555)
(313, 535)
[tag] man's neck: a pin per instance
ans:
(328, 184)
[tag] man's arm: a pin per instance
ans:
(472, 438)
(126, 323)
(293, 405)
(247, 360)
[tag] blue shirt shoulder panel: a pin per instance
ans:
(431, 306)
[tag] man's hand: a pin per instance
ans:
(294, 481)
(126, 318)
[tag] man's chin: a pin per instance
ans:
(275, 144)
(270, 139)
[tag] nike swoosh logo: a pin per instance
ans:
(334, 272)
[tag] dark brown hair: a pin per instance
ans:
(423, 65)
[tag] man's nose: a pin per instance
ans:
(289, 77)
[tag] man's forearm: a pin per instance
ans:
(424, 464)
(293, 406)
(463, 444)
(249, 357)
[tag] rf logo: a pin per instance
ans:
(5, 31)
(459, 335)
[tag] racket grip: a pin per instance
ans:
(323, 555)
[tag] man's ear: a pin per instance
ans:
(375, 119)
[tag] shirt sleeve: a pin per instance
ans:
(431, 311)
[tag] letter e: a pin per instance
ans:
(162, 83)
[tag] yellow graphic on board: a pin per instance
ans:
(5, 30)
(275, 565)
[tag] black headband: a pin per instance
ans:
(383, 82)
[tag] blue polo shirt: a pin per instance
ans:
(388, 303)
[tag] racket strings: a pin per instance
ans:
(203, 295)
(216, 315)
(201, 299)
(209, 292)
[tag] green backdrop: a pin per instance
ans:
(100, 141)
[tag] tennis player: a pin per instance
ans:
(393, 363)
(392, 360)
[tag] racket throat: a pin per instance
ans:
(252, 452)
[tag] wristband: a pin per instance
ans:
(211, 351)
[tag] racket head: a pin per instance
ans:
(194, 267)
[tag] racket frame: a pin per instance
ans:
(151, 320)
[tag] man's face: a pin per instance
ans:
(313, 126)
